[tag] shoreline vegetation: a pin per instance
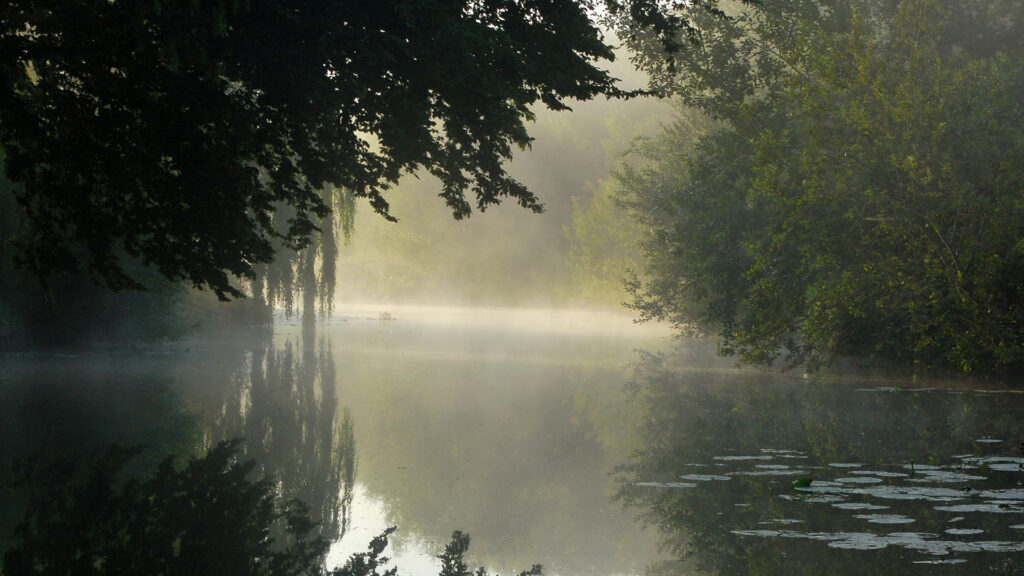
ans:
(835, 184)
(843, 179)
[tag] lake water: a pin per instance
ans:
(546, 436)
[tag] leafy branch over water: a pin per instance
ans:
(206, 517)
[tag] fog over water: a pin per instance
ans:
(469, 380)
(480, 420)
(469, 395)
(549, 438)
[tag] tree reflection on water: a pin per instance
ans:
(268, 505)
(901, 479)
(207, 517)
(283, 400)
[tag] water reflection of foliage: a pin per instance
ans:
(206, 517)
(692, 419)
(495, 448)
(79, 404)
(284, 401)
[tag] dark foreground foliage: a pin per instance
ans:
(206, 517)
(172, 132)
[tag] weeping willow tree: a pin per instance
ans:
(306, 274)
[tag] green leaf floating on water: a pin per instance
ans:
(802, 483)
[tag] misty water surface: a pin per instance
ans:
(545, 434)
(433, 420)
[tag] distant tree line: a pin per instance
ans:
(845, 178)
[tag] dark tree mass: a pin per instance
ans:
(169, 132)
(847, 181)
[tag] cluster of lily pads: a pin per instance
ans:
(964, 495)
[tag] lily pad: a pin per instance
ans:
(772, 472)
(990, 508)
(945, 476)
(666, 484)
(859, 480)
(879, 473)
(885, 518)
(858, 506)
(964, 531)
(703, 477)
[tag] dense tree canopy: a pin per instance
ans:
(170, 131)
(856, 187)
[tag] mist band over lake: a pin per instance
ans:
(353, 288)
(546, 435)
